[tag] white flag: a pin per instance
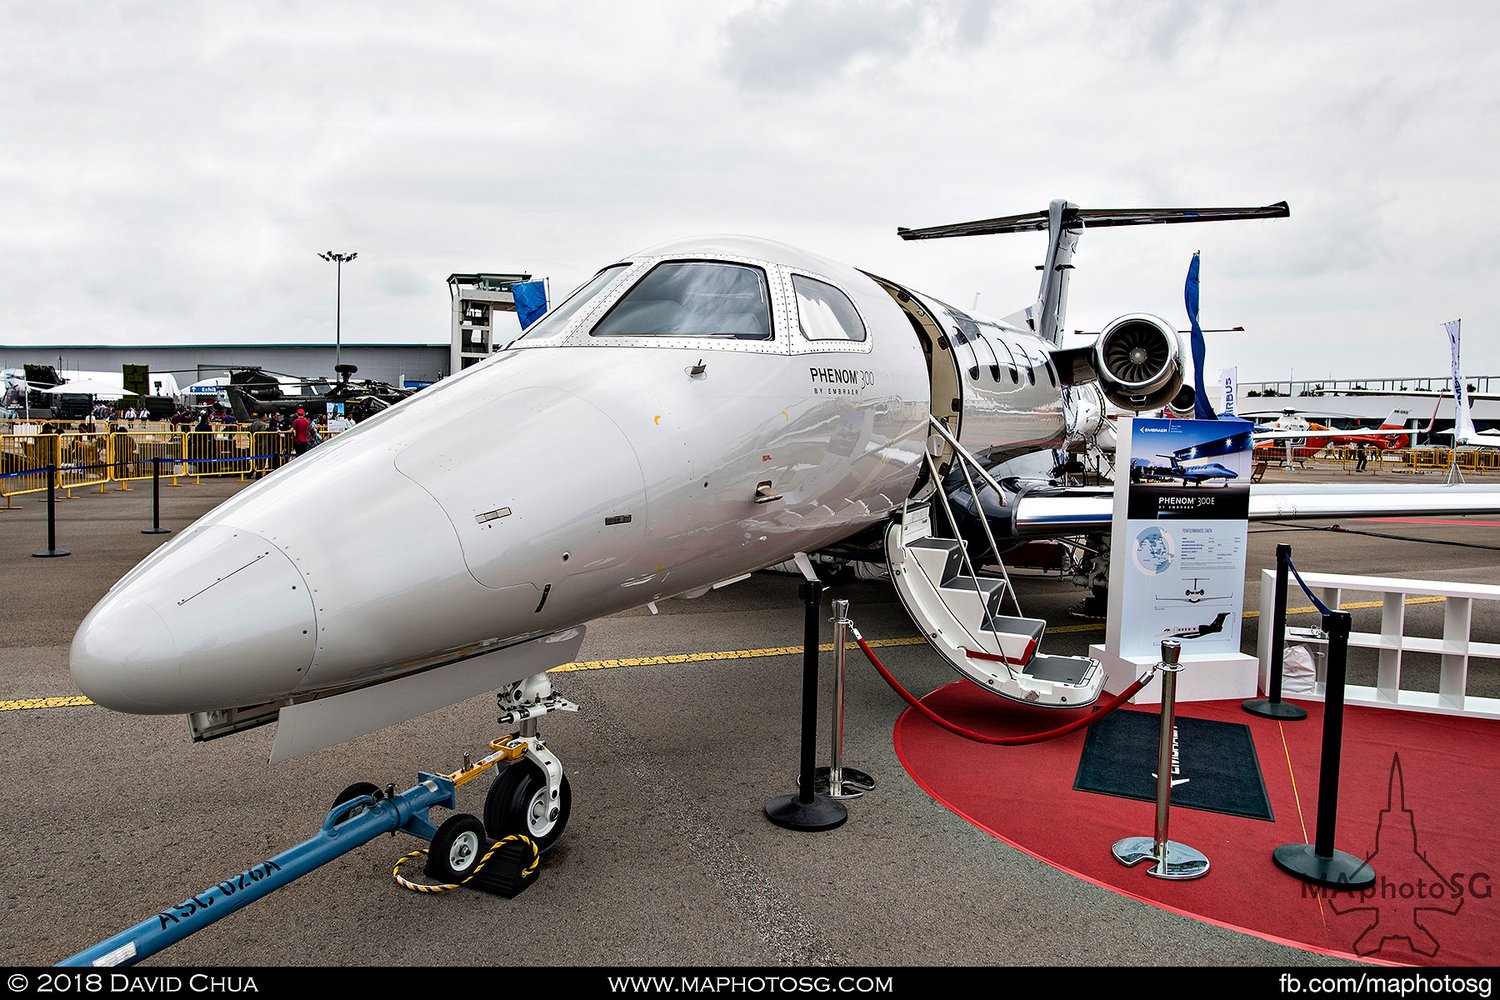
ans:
(1461, 406)
(1229, 378)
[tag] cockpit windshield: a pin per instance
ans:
(553, 323)
(693, 299)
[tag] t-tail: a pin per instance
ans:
(1064, 222)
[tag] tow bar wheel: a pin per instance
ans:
(355, 791)
(518, 803)
(456, 848)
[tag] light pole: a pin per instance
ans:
(338, 308)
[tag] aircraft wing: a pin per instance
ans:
(1052, 510)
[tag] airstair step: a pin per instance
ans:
(1017, 638)
(938, 557)
(1059, 669)
(972, 599)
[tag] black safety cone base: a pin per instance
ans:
(822, 813)
(1274, 709)
(1341, 870)
(50, 554)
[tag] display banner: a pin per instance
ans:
(1229, 378)
(1180, 524)
(1451, 327)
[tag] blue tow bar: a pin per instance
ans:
(340, 834)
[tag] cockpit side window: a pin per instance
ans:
(556, 321)
(693, 299)
(824, 312)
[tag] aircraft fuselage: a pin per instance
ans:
(603, 461)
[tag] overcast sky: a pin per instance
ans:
(171, 169)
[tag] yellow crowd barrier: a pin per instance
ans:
(97, 458)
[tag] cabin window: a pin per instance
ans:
(824, 312)
(556, 320)
(693, 299)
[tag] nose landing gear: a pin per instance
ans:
(531, 796)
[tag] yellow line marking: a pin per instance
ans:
(728, 654)
(24, 704)
(1297, 798)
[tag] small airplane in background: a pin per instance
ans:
(1197, 631)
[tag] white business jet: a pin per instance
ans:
(696, 411)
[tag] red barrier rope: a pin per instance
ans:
(1004, 741)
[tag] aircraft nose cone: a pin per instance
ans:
(220, 619)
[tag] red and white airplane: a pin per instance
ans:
(1304, 438)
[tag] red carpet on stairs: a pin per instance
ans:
(1418, 796)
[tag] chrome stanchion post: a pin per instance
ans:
(1173, 860)
(838, 781)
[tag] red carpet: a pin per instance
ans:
(1436, 848)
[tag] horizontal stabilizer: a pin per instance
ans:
(1094, 218)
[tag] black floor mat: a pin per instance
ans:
(1217, 759)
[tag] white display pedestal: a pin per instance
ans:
(1204, 676)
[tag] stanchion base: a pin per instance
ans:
(156, 531)
(51, 554)
(852, 785)
(1274, 709)
(1342, 870)
(1181, 862)
(822, 813)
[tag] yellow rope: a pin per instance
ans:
(407, 883)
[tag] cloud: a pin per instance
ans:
(796, 45)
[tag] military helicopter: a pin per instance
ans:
(254, 389)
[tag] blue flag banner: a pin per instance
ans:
(531, 301)
(1202, 409)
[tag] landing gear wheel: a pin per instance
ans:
(518, 804)
(456, 848)
(354, 791)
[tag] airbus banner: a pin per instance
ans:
(1180, 539)
(1229, 378)
(1458, 380)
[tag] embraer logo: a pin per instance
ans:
(1176, 762)
(839, 381)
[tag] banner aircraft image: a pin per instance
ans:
(1197, 631)
(1142, 470)
(740, 402)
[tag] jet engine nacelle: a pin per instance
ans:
(1139, 360)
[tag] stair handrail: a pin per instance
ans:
(963, 554)
(967, 460)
